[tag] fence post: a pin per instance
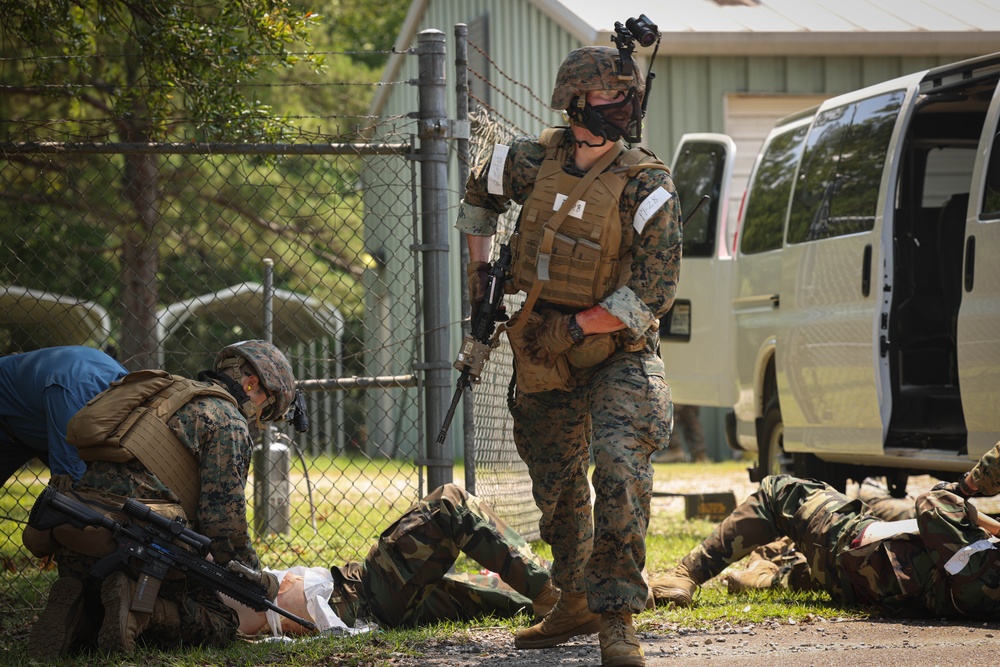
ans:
(433, 155)
(462, 114)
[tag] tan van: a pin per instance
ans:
(855, 317)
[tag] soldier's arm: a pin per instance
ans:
(224, 452)
(650, 205)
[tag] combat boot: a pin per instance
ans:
(568, 618)
(62, 622)
(121, 626)
(619, 645)
(164, 625)
(760, 573)
(676, 587)
(544, 601)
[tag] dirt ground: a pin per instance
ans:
(817, 643)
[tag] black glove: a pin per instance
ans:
(959, 488)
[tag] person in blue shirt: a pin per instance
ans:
(39, 392)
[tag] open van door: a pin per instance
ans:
(979, 313)
(695, 338)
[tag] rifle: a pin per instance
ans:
(476, 347)
(153, 550)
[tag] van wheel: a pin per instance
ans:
(774, 459)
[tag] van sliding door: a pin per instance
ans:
(827, 352)
(979, 313)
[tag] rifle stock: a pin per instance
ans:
(151, 548)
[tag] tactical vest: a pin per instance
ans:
(592, 253)
(129, 420)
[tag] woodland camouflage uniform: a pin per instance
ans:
(620, 408)
(405, 580)
(901, 575)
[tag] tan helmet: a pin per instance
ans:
(592, 68)
(271, 367)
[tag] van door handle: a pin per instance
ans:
(970, 262)
(775, 300)
(866, 271)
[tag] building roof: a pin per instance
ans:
(764, 28)
(794, 27)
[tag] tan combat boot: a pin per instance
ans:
(568, 618)
(544, 601)
(62, 622)
(619, 645)
(760, 573)
(121, 626)
(676, 587)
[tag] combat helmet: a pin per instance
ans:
(593, 68)
(271, 367)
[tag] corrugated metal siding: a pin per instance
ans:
(689, 92)
(814, 16)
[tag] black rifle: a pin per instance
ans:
(476, 347)
(152, 549)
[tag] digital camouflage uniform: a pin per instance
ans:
(405, 580)
(901, 575)
(216, 434)
(620, 409)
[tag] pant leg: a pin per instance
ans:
(551, 434)
(819, 519)
(463, 597)
(413, 556)
(13, 456)
(694, 435)
(631, 410)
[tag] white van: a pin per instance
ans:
(853, 323)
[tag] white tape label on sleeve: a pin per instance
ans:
(576, 211)
(961, 558)
(494, 183)
(650, 205)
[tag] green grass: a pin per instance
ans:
(670, 537)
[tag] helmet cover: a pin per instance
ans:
(271, 367)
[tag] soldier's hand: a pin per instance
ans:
(551, 338)
(262, 578)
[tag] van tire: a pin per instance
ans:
(773, 458)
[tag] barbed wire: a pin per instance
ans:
(504, 74)
(106, 56)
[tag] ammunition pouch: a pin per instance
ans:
(592, 351)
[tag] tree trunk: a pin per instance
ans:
(140, 292)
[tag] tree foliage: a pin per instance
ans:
(169, 228)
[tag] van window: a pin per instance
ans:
(767, 204)
(838, 184)
(702, 175)
(991, 200)
(948, 171)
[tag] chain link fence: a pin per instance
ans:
(161, 254)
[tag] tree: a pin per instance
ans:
(138, 71)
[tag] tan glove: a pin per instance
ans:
(265, 579)
(550, 339)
